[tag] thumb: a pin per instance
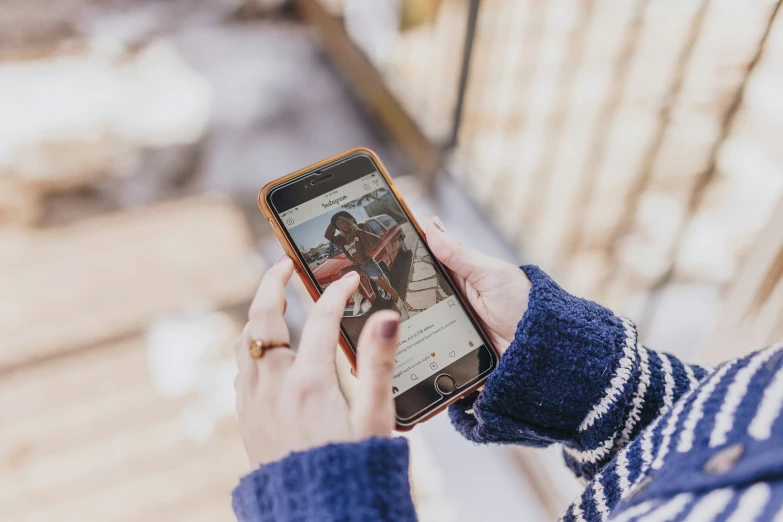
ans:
(372, 411)
(465, 262)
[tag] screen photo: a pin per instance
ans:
(361, 227)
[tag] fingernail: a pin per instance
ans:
(349, 275)
(388, 328)
(281, 258)
(438, 224)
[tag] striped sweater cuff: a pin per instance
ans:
(366, 480)
(575, 373)
(560, 374)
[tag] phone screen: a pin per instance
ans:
(359, 225)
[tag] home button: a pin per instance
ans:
(445, 384)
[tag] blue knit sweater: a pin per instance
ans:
(653, 439)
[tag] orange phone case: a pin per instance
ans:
(313, 289)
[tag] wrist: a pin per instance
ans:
(556, 366)
(370, 475)
(564, 354)
(517, 309)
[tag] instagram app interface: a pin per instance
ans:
(361, 227)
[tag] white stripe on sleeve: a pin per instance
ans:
(600, 498)
(669, 429)
(619, 380)
(576, 509)
(621, 468)
(710, 505)
(638, 398)
(696, 412)
(692, 380)
(647, 450)
(724, 420)
(752, 503)
(634, 511)
(760, 427)
(591, 456)
(668, 382)
(668, 510)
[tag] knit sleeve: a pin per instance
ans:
(356, 482)
(760, 501)
(574, 374)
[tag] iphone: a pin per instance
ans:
(344, 214)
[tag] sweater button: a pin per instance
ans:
(724, 460)
(639, 488)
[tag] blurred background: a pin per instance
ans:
(629, 147)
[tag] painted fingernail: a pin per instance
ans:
(281, 259)
(438, 224)
(388, 328)
(350, 275)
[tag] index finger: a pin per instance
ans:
(318, 345)
(270, 296)
(266, 322)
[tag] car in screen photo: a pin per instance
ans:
(385, 254)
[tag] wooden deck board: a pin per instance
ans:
(89, 282)
(108, 454)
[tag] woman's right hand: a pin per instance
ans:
(497, 290)
(289, 402)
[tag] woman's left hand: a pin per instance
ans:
(290, 402)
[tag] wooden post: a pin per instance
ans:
(370, 88)
(752, 315)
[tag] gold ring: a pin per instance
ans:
(258, 348)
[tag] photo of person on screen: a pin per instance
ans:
(357, 243)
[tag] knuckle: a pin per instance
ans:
(460, 248)
(384, 365)
(260, 309)
(297, 395)
(265, 390)
(326, 315)
(328, 304)
(278, 359)
(307, 385)
(449, 254)
(379, 365)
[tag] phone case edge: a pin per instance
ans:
(313, 290)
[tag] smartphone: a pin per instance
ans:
(345, 214)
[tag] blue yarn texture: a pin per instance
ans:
(362, 482)
(652, 437)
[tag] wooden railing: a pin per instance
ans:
(622, 145)
(629, 147)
